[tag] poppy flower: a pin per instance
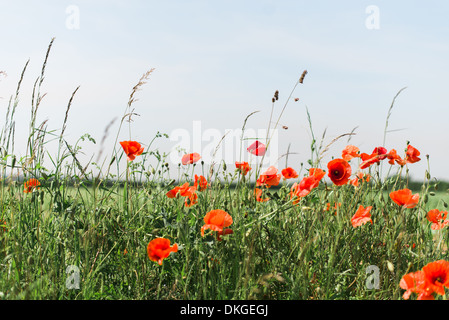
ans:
(159, 249)
(216, 220)
(200, 183)
(438, 219)
(190, 158)
(361, 216)
(258, 194)
(415, 282)
(183, 190)
(132, 149)
(318, 174)
(378, 154)
(360, 177)
(302, 189)
(269, 178)
(436, 275)
(339, 171)
(350, 152)
(30, 185)
(257, 148)
(404, 198)
(394, 157)
(191, 199)
(289, 173)
(243, 167)
(412, 155)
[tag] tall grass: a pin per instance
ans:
(102, 224)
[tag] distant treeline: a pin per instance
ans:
(416, 186)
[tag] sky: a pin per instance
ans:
(215, 62)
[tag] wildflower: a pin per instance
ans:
(411, 155)
(306, 185)
(350, 152)
(258, 194)
(289, 173)
(378, 154)
(269, 178)
(436, 275)
(257, 148)
(243, 167)
(200, 183)
(159, 249)
(438, 219)
(361, 216)
(394, 157)
(360, 177)
(415, 282)
(339, 171)
(30, 185)
(190, 158)
(191, 199)
(132, 149)
(405, 198)
(318, 174)
(217, 220)
(184, 190)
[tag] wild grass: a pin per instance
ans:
(102, 223)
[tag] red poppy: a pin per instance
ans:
(216, 220)
(159, 249)
(361, 216)
(190, 158)
(183, 190)
(289, 173)
(257, 148)
(404, 198)
(360, 177)
(187, 191)
(436, 275)
(191, 199)
(438, 218)
(302, 189)
(394, 157)
(243, 167)
(200, 183)
(350, 152)
(415, 282)
(378, 154)
(339, 171)
(31, 185)
(258, 194)
(412, 155)
(269, 178)
(132, 149)
(318, 174)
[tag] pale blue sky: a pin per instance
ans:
(217, 61)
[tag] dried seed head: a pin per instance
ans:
(296, 99)
(276, 95)
(302, 76)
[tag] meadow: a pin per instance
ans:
(344, 229)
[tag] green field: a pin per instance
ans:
(84, 235)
